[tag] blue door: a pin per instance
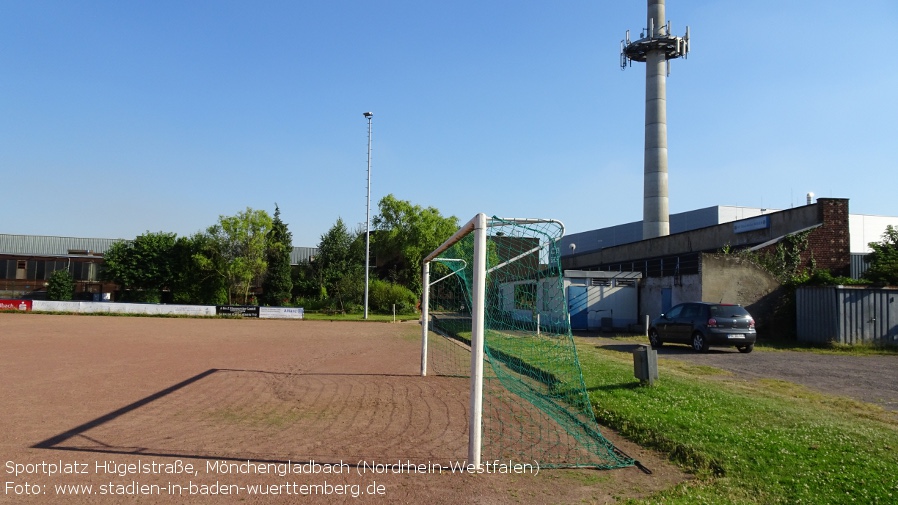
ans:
(665, 300)
(578, 307)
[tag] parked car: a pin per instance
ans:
(703, 324)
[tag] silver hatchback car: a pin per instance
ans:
(703, 324)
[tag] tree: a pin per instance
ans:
(305, 283)
(141, 267)
(278, 284)
(61, 286)
(195, 280)
(336, 268)
(883, 260)
(237, 251)
(405, 234)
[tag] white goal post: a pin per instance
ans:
(479, 226)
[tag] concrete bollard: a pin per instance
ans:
(645, 364)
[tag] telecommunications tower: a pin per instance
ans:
(656, 47)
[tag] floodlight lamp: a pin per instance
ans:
(368, 114)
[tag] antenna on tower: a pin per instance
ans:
(655, 47)
(671, 46)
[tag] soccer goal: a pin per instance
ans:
(494, 293)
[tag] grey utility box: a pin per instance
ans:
(645, 364)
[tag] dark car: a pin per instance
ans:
(703, 324)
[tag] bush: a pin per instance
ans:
(383, 295)
(310, 303)
(60, 286)
(141, 296)
(826, 278)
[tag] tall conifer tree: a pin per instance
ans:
(278, 285)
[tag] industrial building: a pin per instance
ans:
(687, 265)
(862, 230)
(28, 261)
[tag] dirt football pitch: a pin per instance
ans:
(172, 410)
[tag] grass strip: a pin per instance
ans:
(748, 442)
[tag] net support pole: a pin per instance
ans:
(478, 298)
(425, 310)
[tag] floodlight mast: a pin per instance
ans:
(368, 116)
(656, 47)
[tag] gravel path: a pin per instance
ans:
(872, 379)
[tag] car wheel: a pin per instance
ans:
(654, 338)
(699, 343)
(746, 348)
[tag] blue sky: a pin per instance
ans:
(122, 117)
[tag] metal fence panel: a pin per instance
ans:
(847, 315)
(815, 318)
(859, 264)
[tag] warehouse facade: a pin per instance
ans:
(689, 266)
(28, 261)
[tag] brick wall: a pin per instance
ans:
(830, 243)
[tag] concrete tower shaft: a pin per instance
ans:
(655, 47)
(655, 210)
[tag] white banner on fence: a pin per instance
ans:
(281, 312)
(121, 308)
(49, 306)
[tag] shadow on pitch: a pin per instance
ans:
(64, 440)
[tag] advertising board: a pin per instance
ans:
(237, 310)
(15, 305)
(281, 312)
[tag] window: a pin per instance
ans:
(525, 296)
(728, 311)
(626, 283)
(691, 311)
(553, 298)
(599, 282)
(675, 312)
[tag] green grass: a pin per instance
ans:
(323, 316)
(761, 442)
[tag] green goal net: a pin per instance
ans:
(503, 278)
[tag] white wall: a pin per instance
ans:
(121, 308)
(865, 229)
(618, 301)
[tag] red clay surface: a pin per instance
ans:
(84, 397)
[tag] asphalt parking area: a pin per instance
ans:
(872, 379)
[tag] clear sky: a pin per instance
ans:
(121, 117)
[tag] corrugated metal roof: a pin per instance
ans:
(302, 254)
(39, 245)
